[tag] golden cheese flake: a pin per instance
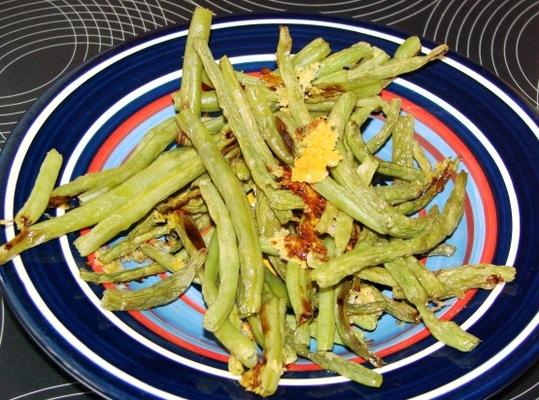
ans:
(317, 153)
(278, 242)
(306, 75)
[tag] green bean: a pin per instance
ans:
(191, 85)
(403, 136)
(208, 101)
(381, 137)
(357, 119)
(343, 58)
(344, 328)
(126, 275)
(285, 200)
(241, 170)
(268, 224)
(343, 232)
(438, 180)
(297, 107)
(395, 194)
(228, 257)
(177, 201)
(367, 169)
(368, 89)
(144, 225)
(195, 206)
(361, 152)
(366, 238)
(91, 213)
(210, 275)
(363, 295)
(366, 206)
(160, 293)
(367, 308)
(172, 263)
(334, 78)
(332, 362)
(377, 275)
(316, 105)
(251, 268)
(325, 331)
(249, 132)
(485, 276)
(325, 322)
(395, 67)
(37, 202)
(408, 48)
(288, 130)
(426, 278)
(345, 200)
(367, 322)
(421, 158)
(248, 79)
(255, 324)
(375, 102)
(447, 332)
(127, 245)
(314, 51)
(214, 125)
(378, 57)
(138, 205)
(375, 212)
(231, 337)
(254, 155)
(338, 116)
(325, 223)
(302, 333)
(443, 225)
(443, 249)
(349, 369)
(239, 345)
(263, 379)
(152, 144)
(266, 124)
(298, 286)
(185, 227)
(402, 311)
(406, 279)
(276, 286)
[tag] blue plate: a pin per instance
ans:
(95, 116)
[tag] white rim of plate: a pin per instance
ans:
(95, 358)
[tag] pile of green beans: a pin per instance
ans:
(287, 269)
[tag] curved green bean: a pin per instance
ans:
(229, 264)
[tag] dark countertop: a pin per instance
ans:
(43, 39)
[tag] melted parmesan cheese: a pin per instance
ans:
(278, 243)
(317, 153)
(306, 75)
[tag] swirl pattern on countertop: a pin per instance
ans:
(497, 35)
